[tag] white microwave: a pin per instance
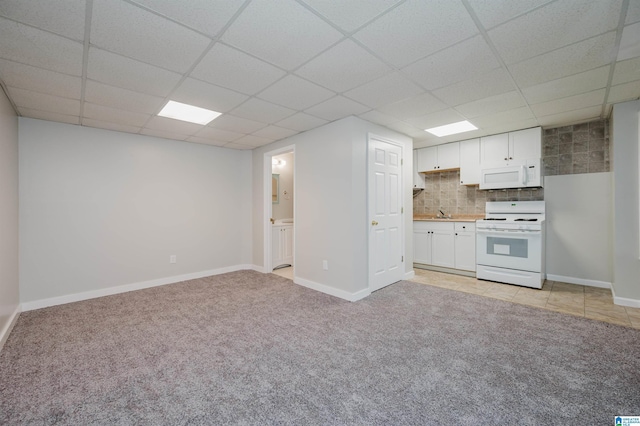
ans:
(518, 174)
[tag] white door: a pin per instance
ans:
(385, 214)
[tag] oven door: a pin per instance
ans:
(510, 248)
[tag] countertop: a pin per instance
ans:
(454, 218)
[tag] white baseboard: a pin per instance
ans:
(259, 268)
(409, 275)
(60, 300)
(623, 301)
(580, 281)
(351, 297)
(6, 330)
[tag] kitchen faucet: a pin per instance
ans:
(444, 215)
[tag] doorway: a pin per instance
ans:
(279, 209)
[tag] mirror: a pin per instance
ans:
(275, 188)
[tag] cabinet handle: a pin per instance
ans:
(510, 158)
(461, 182)
(505, 158)
(456, 233)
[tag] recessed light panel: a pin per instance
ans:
(190, 113)
(452, 129)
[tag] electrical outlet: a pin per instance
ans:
(325, 265)
(173, 258)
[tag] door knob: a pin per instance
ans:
(374, 223)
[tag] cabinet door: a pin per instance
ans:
(287, 244)
(427, 159)
(525, 144)
(422, 247)
(443, 253)
(494, 149)
(449, 156)
(465, 251)
(418, 178)
(276, 246)
(470, 162)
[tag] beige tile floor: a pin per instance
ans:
(589, 302)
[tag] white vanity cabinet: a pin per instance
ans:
(504, 148)
(438, 158)
(281, 245)
(446, 244)
(465, 246)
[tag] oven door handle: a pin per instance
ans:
(507, 231)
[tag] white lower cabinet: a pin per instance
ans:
(281, 245)
(445, 244)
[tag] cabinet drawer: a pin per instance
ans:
(426, 225)
(465, 227)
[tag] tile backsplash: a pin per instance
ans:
(580, 148)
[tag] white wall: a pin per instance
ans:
(284, 208)
(579, 231)
(626, 252)
(331, 205)
(101, 209)
(9, 288)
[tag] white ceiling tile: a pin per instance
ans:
(40, 80)
(119, 71)
(626, 71)
(350, 15)
(27, 45)
(412, 107)
(577, 116)
(378, 118)
(558, 24)
(253, 140)
(491, 104)
(43, 102)
(336, 107)
(295, 93)
(510, 127)
(114, 97)
(492, 13)
(114, 115)
(218, 134)
(239, 146)
(343, 67)
(256, 109)
(227, 67)
(592, 53)
(171, 125)
(419, 27)
(133, 32)
(301, 122)
(405, 128)
(205, 95)
(569, 103)
(259, 31)
(482, 86)
(205, 141)
(499, 118)
(624, 92)
(236, 124)
(633, 13)
(388, 89)
(199, 14)
(275, 132)
(65, 18)
(435, 119)
(90, 122)
(49, 116)
(629, 43)
(453, 64)
(164, 134)
(567, 86)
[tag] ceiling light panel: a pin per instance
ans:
(189, 113)
(452, 129)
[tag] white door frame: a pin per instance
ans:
(268, 205)
(371, 136)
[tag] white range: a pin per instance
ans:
(510, 243)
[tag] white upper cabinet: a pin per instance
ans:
(439, 158)
(470, 162)
(418, 178)
(513, 146)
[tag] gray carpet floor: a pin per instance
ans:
(255, 349)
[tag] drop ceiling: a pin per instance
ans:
(279, 67)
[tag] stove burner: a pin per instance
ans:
(525, 220)
(496, 218)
